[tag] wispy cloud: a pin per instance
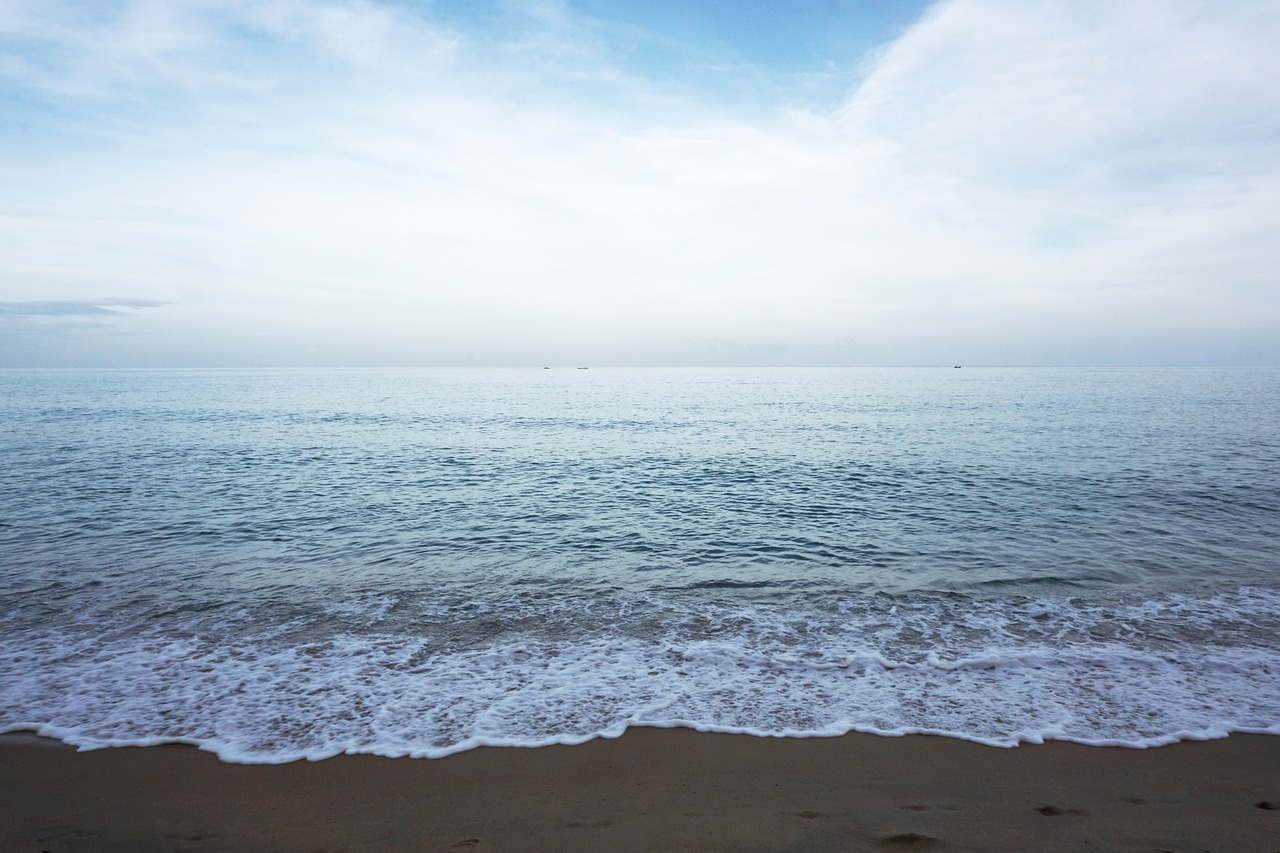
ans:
(361, 181)
(76, 307)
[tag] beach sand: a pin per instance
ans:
(654, 789)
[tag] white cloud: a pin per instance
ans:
(343, 182)
(1093, 145)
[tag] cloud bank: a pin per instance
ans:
(358, 183)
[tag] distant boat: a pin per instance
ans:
(584, 368)
(957, 367)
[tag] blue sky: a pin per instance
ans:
(333, 182)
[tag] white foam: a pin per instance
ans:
(995, 675)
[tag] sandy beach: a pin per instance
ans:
(654, 789)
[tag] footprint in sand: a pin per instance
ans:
(907, 840)
(1054, 811)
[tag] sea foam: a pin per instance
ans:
(777, 673)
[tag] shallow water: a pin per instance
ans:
(283, 564)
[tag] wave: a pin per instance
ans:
(276, 696)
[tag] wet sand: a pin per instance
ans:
(655, 790)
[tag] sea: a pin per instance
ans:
(276, 565)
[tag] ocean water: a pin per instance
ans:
(277, 565)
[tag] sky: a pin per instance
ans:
(299, 183)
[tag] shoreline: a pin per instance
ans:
(659, 789)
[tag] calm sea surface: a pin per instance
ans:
(285, 564)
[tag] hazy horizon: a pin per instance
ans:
(388, 183)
